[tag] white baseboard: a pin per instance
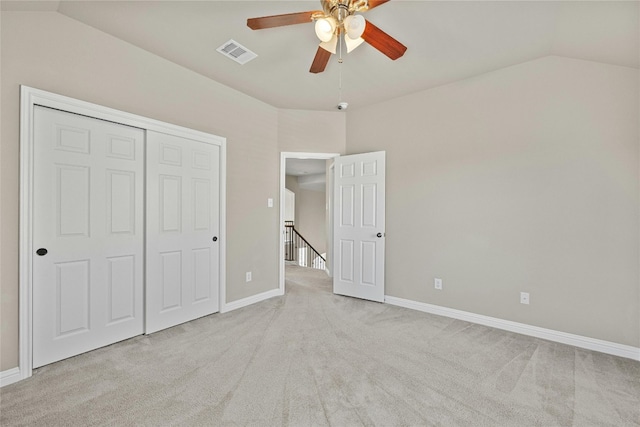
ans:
(234, 305)
(522, 328)
(10, 376)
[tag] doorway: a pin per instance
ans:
(298, 159)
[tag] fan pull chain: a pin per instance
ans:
(340, 71)
(340, 80)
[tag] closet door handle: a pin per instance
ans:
(379, 235)
(215, 238)
(42, 251)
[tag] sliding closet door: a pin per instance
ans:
(183, 224)
(87, 234)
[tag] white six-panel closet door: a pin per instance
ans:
(87, 233)
(183, 225)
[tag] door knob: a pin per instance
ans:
(215, 238)
(379, 235)
(41, 251)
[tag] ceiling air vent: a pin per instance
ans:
(234, 50)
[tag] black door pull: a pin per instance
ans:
(215, 238)
(41, 251)
(379, 235)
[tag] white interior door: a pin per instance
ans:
(183, 225)
(87, 233)
(358, 224)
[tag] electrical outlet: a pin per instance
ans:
(269, 202)
(437, 283)
(248, 278)
(524, 297)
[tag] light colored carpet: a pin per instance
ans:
(312, 358)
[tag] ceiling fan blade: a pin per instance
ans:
(383, 41)
(320, 61)
(281, 20)
(376, 3)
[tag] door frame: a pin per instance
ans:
(284, 155)
(29, 97)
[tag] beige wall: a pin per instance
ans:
(291, 182)
(311, 214)
(49, 51)
(311, 131)
(311, 217)
(523, 179)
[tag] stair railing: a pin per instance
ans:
(298, 249)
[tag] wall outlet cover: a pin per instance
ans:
(437, 283)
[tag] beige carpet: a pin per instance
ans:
(312, 358)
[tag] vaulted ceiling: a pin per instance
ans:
(447, 41)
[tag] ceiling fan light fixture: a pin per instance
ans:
(352, 43)
(325, 28)
(337, 19)
(331, 45)
(354, 26)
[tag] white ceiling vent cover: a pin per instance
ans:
(234, 50)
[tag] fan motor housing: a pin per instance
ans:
(340, 9)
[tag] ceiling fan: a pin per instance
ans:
(337, 18)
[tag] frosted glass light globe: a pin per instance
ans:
(325, 27)
(354, 24)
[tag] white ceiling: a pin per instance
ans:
(446, 40)
(298, 167)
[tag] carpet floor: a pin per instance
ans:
(312, 358)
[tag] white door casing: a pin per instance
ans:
(88, 215)
(183, 230)
(32, 99)
(359, 231)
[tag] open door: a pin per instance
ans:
(358, 226)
